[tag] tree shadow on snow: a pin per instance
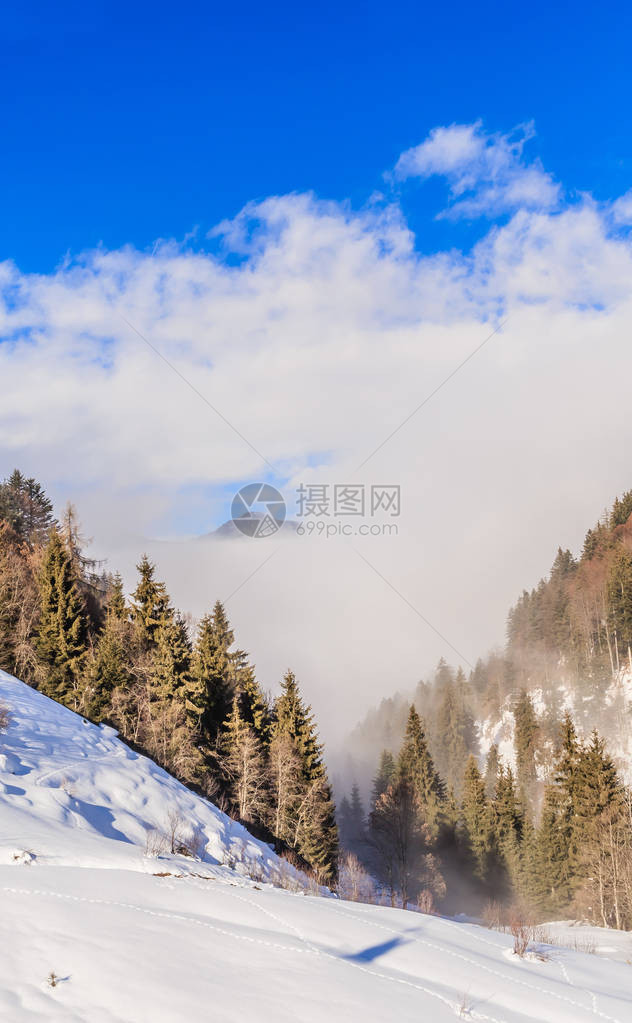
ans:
(368, 955)
(101, 819)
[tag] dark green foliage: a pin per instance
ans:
(621, 510)
(415, 764)
(526, 733)
(109, 669)
(212, 671)
(116, 603)
(317, 837)
(253, 706)
(25, 507)
(150, 606)
(385, 775)
(508, 826)
(477, 829)
(171, 659)
(550, 885)
(596, 790)
(492, 770)
(456, 733)
(61, 633)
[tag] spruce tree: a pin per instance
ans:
(25, 506)
(455, 731)
(416, 764)
(61, 632)
(492, 770)
(508, 821)
(345, 824)
(171, 675)
(597, 789)
(357, 816)
(384, 777)
(116, 603)
(526, 734)
(109, 669)
(253, 705)
(150, 607)
(551, 885)
(212, 671)
(317, 837)
(477, 829)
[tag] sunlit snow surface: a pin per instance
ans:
(81, 898)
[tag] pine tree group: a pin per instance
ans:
(191, 702)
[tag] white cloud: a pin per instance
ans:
(316, 346)
(622, 209)
(487, 174)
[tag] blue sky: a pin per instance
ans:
(336, 314)
(128, 122)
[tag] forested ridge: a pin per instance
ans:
(183, 693)
(529, 801)
(486, 791)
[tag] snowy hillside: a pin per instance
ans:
(72, 793)
(132, 938)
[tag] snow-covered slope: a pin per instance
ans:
(72, 793)
(135, 939)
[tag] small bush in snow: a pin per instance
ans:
(53, 979)
(155, 843)
(493, 915)
(354, 883)
(4, 718)
(522, 932)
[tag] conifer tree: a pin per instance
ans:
(509, 823)
(416, 764)
(150, 606)
(61, 633)
(477, 824)
(526, 733)
(456, 733)
(492, 770)
(552, 878)
(532, 883)
(107, 671)
(110, 667)
(253, 705)
(345, 826)
(171, 675)
(116, 603)
(212, 671)
(597, 789)
(317, 838)
(358, 833)
(385, 775)
(25, 506)
(621, 510)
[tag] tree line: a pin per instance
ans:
(187, 697)
(427, 847)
